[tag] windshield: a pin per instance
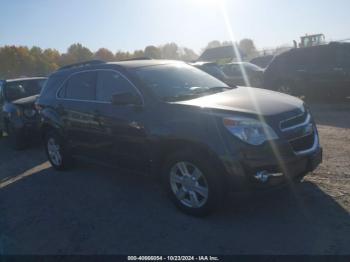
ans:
(213, 70)
(179, 81)
(21, 89)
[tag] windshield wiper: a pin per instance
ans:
(219, 88)
(181, 97)
(198, 92)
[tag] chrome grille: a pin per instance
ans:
(296, 121)
(303, 143)
(300, 132)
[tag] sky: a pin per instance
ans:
(133, 24)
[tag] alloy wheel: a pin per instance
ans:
(189, 185)
(53, 149)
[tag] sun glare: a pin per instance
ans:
(207, 2)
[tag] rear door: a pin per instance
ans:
(313, 68)
(76, 106)
(322, 66)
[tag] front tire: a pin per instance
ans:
(192, 183)
(57, 152)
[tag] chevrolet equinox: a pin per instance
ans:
(202, 137)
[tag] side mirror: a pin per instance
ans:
(126, 99)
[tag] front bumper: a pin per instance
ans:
(28, 128)
(283, 165)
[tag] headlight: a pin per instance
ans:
(249, 130)
(29, 112)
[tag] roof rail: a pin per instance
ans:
(137, 58)
(85, 63)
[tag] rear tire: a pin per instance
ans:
(192, 183)
(57, 152)
(17, 140)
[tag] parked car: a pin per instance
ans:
(322, 70)
(18, 116)
(235, 71)
(262, 61)
(214, 70)
(202, 137)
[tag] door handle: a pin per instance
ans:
(338, 69)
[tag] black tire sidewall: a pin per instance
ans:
(15, 137)
(212, 176)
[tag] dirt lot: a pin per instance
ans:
(94, 210)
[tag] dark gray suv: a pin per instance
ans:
(202, 137)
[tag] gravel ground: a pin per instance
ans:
(95, 210)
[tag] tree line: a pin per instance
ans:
(20, 61)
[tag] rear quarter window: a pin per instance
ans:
(51, 86)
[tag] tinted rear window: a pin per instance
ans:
(81, 86)
(21, 89)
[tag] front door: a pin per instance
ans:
(122, 126)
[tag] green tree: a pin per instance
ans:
(247, 48)
(104, 54)
(170, 51)
(76, 53)
(15, 62)
(138, 53)
(188, 55)
(153, 52)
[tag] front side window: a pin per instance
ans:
(178, 81)
(80, 86)
(110, 83)
(21, 89)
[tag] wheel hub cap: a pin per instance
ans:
(53, 150)
(189, 184)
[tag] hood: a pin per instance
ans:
(26, 101)
(249, 100)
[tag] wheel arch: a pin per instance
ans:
(50, 121)
(172, 146)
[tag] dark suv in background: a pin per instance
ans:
(318, 71)
(236, 71)
(202, 137)
(18, 116)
